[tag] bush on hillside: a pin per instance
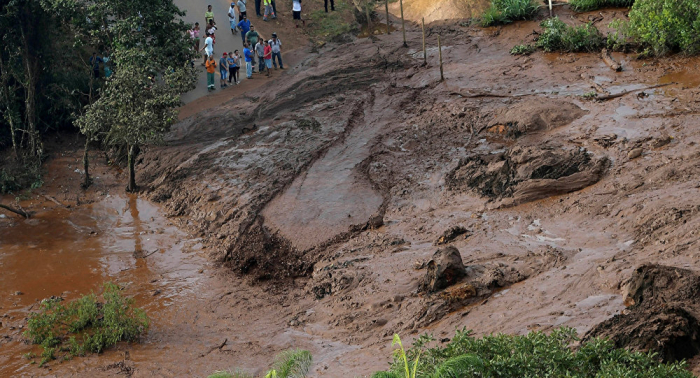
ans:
(506, 11)
(558, 36)
(531, 356)
(589, 5)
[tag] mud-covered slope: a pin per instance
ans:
(334, 184)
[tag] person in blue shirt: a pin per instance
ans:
(248, 54)
(244, 25)
(95, 63)
(223, 70)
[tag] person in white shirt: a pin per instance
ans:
(233, 18)
(241, 8)
(296, 12)
(208, 48)
(276, 46)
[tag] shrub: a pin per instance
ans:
(530, 356)
(522, 50)
(665, 26)
(558, 36)
(328, 26)
(85, 325)
(589, 5)
(506, 11)
(293, 363)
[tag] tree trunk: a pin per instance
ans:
(86, 164)
(132, 174)
(31, 65)
(16, 211)
(8, 99)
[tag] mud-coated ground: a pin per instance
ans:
(324, 195)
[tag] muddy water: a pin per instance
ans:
(68, 253)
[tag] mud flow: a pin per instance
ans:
(68, 253)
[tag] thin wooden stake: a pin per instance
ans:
(386, 6)
(442, 78)
(369, 20)
(425, 53)
(403, 26)
(550, 8)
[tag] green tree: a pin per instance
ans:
(138, 104)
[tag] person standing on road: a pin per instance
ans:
(260, 52)
(241, 8)
(208, 15)
(257, 8)
(276, 48)
(223, 70)
(208, 48)
(233, 18)
(296, 13)
(252, 38)
(268, 57)
(268, 10)
(211, 29)
(211, 68)
(248, 60)
(232, 63)
(195, 35)
(244, 25)
(325, 5)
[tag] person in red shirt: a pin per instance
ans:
(267, 54)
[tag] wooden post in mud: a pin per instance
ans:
(425, 53)
(369, 18)
(550, 8)
(442, 78)
(386, 7)
(403, 25)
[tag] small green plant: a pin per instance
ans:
(507, 11)
(533, 355)
(522, 49)
(666, 26)
(589, 5)
(558, 36)
(85, 325)
(590, 95)
(293, 363)
(327, 26)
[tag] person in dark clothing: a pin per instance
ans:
(325, 5)
(95, 63)
(257, 8)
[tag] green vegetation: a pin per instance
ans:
(666, 26)
(589, 5)
(293, 363)
(522, 49)
(532, 356)
(507, 11)
(327, 26)
(46, 75)
(85, 325)
(558, 36)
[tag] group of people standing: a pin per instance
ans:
(267, 53)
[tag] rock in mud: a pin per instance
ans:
(663, 317)
(634, 153)
(444, 269)
(535, 115)
(451, 234)
(527, 173)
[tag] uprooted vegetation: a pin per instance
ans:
(533, 355)
(293, 363)
(523, 174)
(85, 325)
(558, 36)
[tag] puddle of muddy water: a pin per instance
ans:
(69, 253)
(686, 79)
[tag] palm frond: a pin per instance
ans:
(465, 366)
(293, 363)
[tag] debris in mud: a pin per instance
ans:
(534, 115)
(660, 141)
(634, 153)
(663, 317)
(451, 234)
(308, 124)
(444, 269)
(333, 279)
(523, 174)
(606, 141)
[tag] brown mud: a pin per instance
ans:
(324, 196)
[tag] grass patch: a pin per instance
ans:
(589, 5)
(530, 356)
(293, 363)
(558, 36)
(85, 325)
(327, 26)
(662, 27)
(507, 11)
(522, 49)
